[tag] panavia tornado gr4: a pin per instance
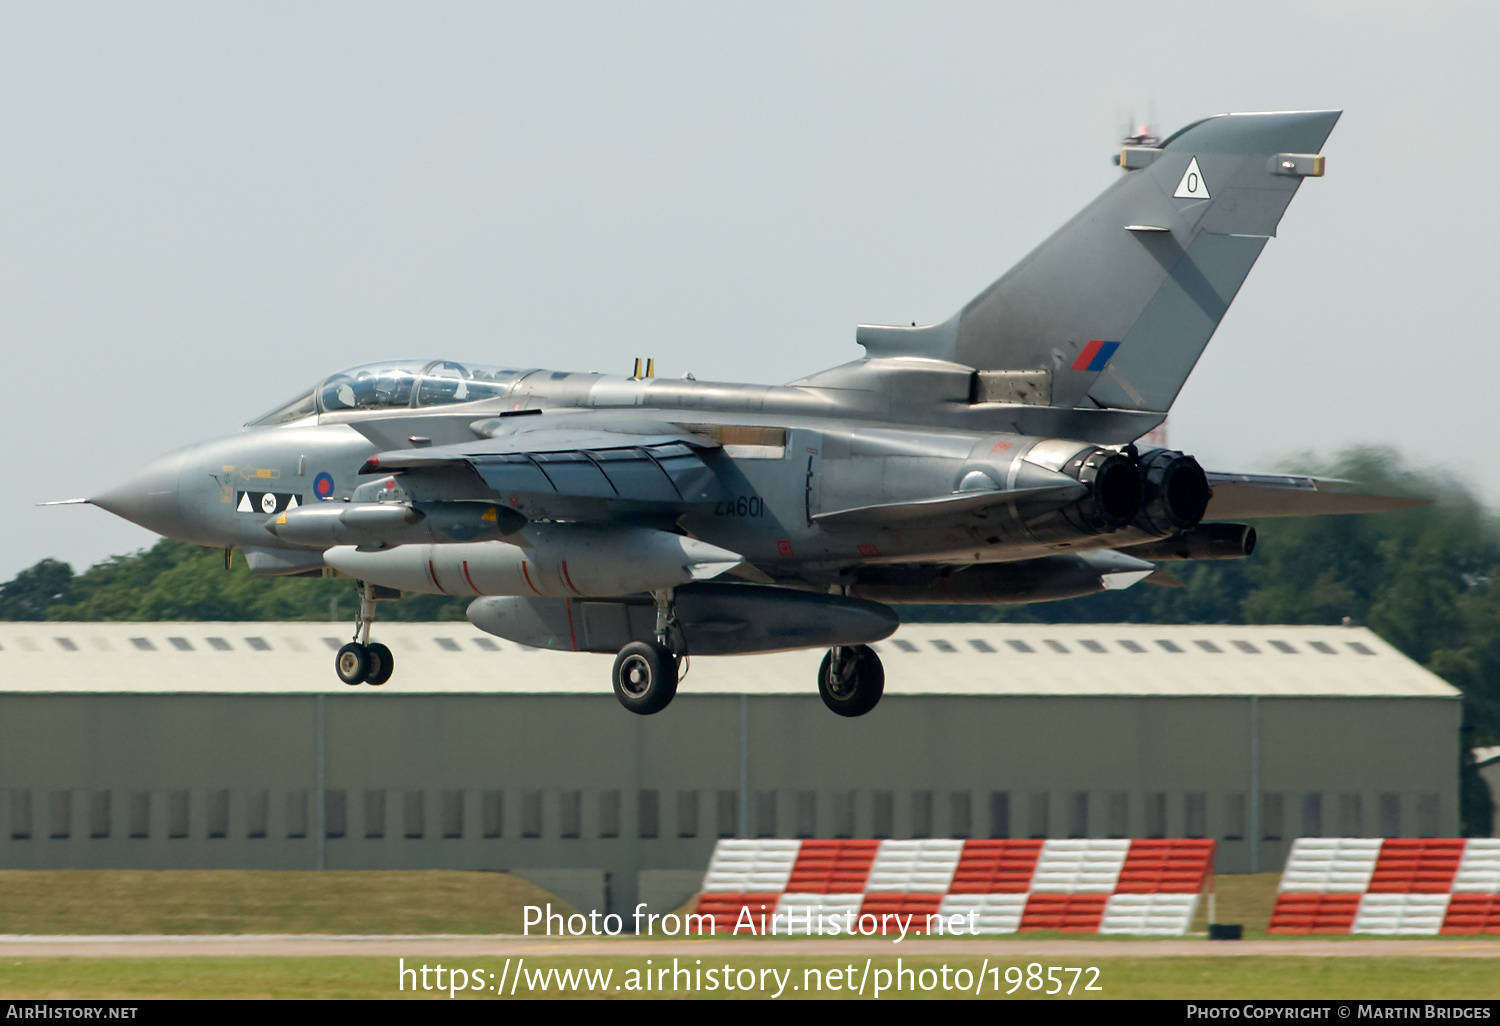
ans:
(992, 458)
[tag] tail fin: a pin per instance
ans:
(1116, 307)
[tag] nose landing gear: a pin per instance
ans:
(361, 661)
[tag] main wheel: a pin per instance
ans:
(852, 685)
(645, 677)
(381, 664)
(352, 663)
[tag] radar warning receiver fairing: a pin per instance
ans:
(991, 458)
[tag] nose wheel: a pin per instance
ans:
(851, 679)
(363, 661)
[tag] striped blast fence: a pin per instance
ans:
(1000, 886)
(1389, 886)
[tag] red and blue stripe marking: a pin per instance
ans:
(1094, 356)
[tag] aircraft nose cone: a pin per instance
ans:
(151, 498)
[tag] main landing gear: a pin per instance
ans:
(645, 672)
(361, 661)
(851, 679)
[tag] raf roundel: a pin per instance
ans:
(323, 485)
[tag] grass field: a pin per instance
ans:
(124, 901)
(1221, 978)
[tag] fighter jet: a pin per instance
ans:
(991, 458)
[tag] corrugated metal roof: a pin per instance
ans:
(952, 659)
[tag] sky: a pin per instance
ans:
(204, 208)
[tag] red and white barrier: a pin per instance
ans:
(1390, 886)
(1073, 886)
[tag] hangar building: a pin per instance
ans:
(233, 745)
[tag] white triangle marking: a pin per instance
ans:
(291, 503)
(1192, 185)
(244, 506)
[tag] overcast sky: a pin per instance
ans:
(206, 207)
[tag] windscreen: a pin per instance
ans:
(407, 383)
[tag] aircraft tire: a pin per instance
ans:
(645, 677)
(857, 689)
(352, 663)
(381, 664)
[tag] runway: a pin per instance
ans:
(505, 946)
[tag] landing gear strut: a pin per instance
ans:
(645, 672)
(851, 679)
(360, 661)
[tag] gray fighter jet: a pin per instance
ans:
(990, 458)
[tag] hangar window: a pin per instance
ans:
(66, 644)
(1390, 815)
(181, 644)
(1078, 814)
(648, 813)
(1169, 646)
(296, 814)
(1361, 648)
(999, 814)
(1019, 645)
(1156, 814)
(1132, 646)
(375, 813)
(177, 814)
(943, 646)
(1246, 647)
(807, 814)
(257, 813)
(727, 813)
(1324, 647)
(1234, 817)
(99, 814)
(1117, 815)
(884, 808)
(981, 646)
(1090, 645)
(687, 814)
(139, 814)
(1209, 646)
(1285, 647)
(765, 814)
(258, 644)
(570, 814)
(453, 814)
(1057, 646)
(1194, 814)
(1039, 815)
(414, 814)
(218, 644)
(1312, 815)
(921, 813)
(217, 813)
(492, 813)
(486, 644)
(60, 815)
(843, 814)
(20, 814)
(335, 813)
(1427, 815)
(144, 644)
(904, 645)
(959, 814)
(446, 644)
(334, 644)
(1272, 816)
(609, 814)
(1351, 815)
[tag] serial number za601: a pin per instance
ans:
(741, 506)
(1051, 983)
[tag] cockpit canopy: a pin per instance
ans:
(397, 384)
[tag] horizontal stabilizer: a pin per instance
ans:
(959, 502)
(1246, 496)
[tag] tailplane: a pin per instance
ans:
(1116, 307)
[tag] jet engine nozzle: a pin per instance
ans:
(1175, 492)
(1114, 484)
